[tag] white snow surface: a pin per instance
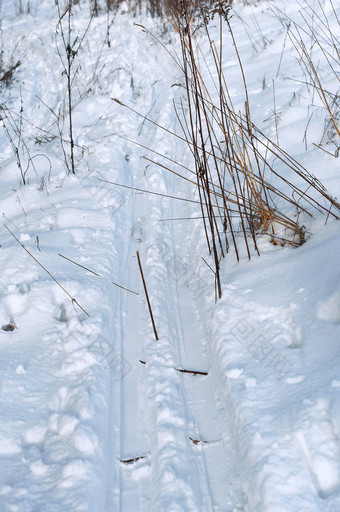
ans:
(94, 412)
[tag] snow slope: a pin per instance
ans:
(95, 413)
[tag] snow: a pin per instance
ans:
(236, 407)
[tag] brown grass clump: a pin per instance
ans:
(232, 156)
(248, 187)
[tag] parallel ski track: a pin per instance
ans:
(128, 439)
(193, 388)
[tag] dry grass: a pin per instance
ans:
(232, 156)
(321, 50)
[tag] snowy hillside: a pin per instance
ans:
(236, 405)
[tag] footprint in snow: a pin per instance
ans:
(15, 302)
(138, 231)
(329, 309)
(60, 313)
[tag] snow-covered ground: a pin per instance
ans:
(95, 413)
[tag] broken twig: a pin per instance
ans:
(147, 296)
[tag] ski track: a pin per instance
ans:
(96, 413)
(204, 456)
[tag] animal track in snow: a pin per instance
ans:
(138, 231)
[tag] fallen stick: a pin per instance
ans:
(191, 372)
(134, 459)
(197, 441)
(147, 296)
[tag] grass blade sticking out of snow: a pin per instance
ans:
(322, 39)
(71, 48)
(96, 274)
(74, 301)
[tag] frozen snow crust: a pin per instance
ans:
(237, 406)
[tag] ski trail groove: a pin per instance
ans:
(173, 449)
(207, 418)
